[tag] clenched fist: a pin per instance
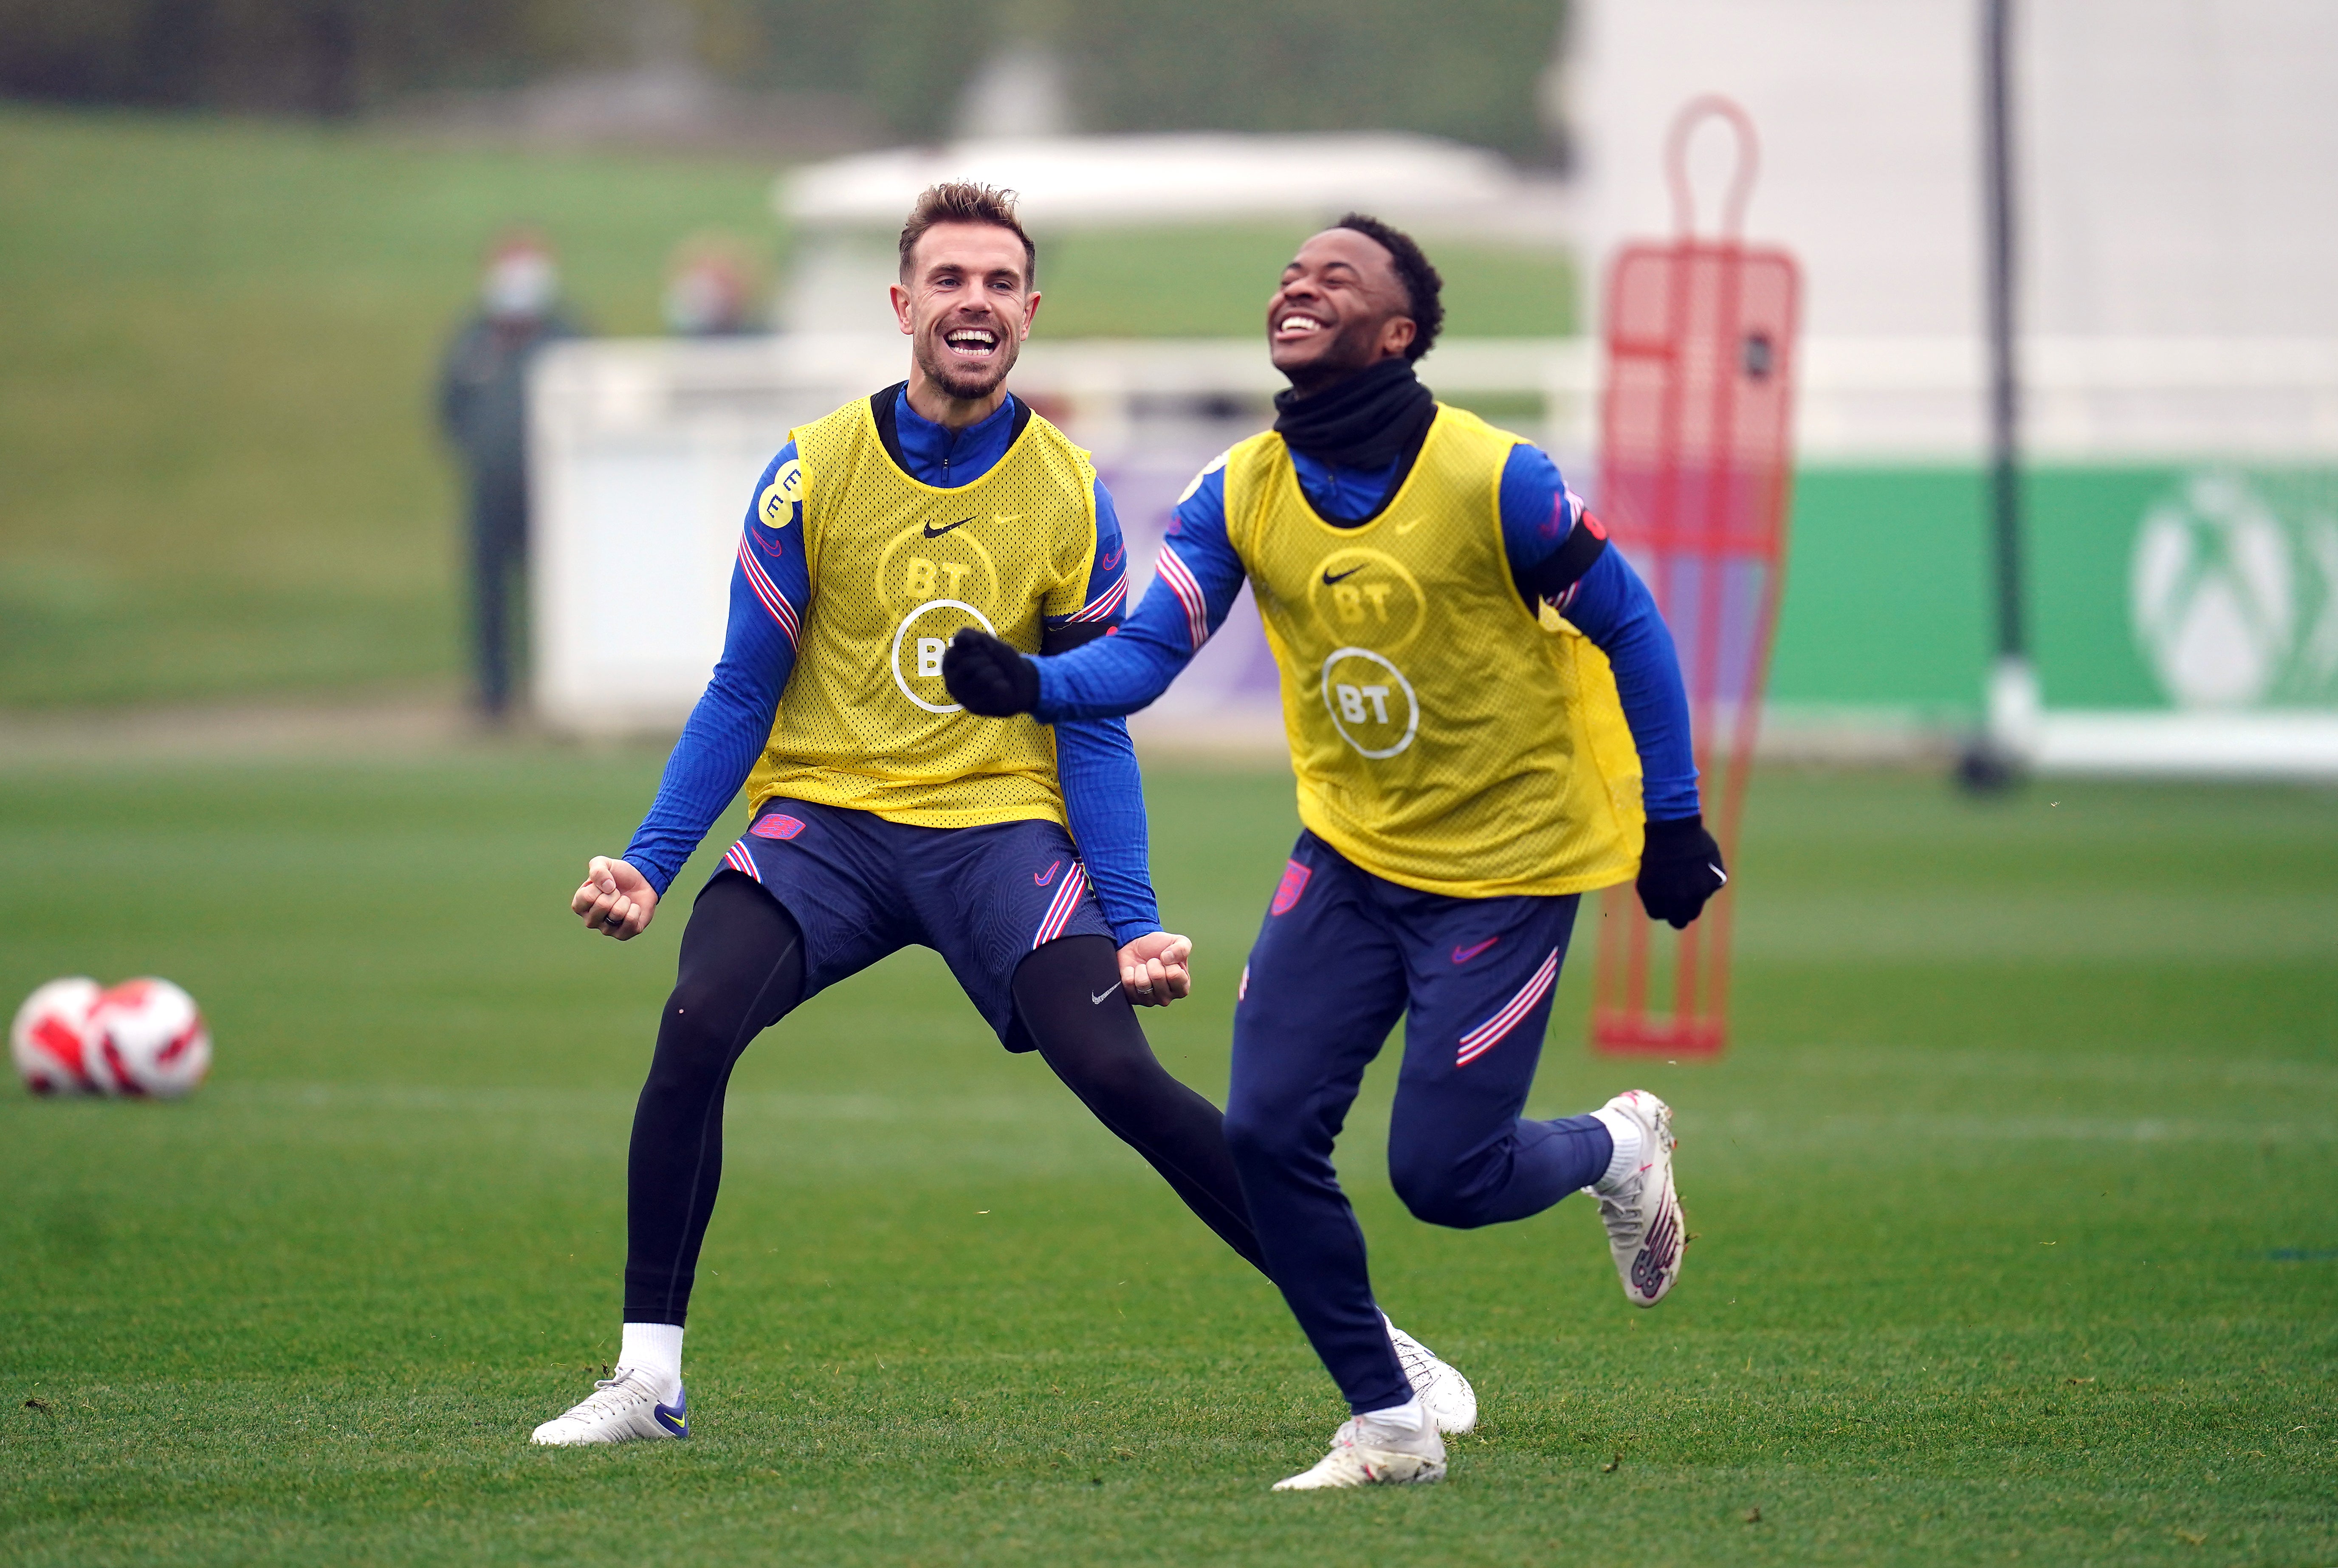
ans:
(616, 899)
(1153, 969)
(987, 676)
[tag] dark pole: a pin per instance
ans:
(2012, 690)
(2004, 393)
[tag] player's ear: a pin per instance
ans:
(900, 298)
(1030, 311)
(1396, 334)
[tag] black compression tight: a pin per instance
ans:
(742, 971)
(1102, 1055)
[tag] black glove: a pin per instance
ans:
(987, 676)
(1680, 868)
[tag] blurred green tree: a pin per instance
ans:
(315, 57)
(1463, 68)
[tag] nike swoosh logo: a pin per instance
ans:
(1717, 871)
(1329, 579)
(1037, 880)
(1408, 526)
(1463, 955)
(934, 533)
(673, 1418)
(1097, 1000)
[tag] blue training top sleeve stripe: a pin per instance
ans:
(1095, 762)
(771, 588)
(1196, 578)
(1107, 585)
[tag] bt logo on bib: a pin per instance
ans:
(1370, 703)
(925, 631)
(1357, 591)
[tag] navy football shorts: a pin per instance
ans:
(860, 887)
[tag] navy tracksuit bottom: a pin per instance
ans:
(1341, 955)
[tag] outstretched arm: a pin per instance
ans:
(771, 588)
(1195, 578)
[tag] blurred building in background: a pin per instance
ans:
(846, 213)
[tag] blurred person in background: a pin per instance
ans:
(711, 289)
(483, 409)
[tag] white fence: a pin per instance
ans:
(644, 452)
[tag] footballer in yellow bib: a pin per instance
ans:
(882, 814)
(1443, 738)
(897, 566)
(1486, 721)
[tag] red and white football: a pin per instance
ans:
(50, 1038)
(146, 1037)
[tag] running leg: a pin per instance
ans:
(1482, 974)
(1100, 1053)
(1325, 985)
(742, 971)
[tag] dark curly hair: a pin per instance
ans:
(1421, 284)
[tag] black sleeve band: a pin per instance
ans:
(1063, 639)
(1564, 567)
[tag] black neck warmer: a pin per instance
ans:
(1367, 421)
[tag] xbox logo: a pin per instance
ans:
(2231, 607)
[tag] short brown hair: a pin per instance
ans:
(963, 201)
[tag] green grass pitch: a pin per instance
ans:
(2017, 1238)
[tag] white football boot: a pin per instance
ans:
(1646, 1230)
(1444, 1393)
(1365, 1453)
(622, 1408)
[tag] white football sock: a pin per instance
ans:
(1404, 1419)
(1629, 1141)
(654, 1348)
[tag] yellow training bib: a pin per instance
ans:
(897, 568)
(1444, 738)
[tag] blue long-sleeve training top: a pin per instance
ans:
(1199, 573)
(770, 592)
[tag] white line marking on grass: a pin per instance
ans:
(2139, 1068)
(1967, 1129)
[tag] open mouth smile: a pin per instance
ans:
(971, 342)
(1298, 324)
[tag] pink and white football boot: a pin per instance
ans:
(1641, 1209)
